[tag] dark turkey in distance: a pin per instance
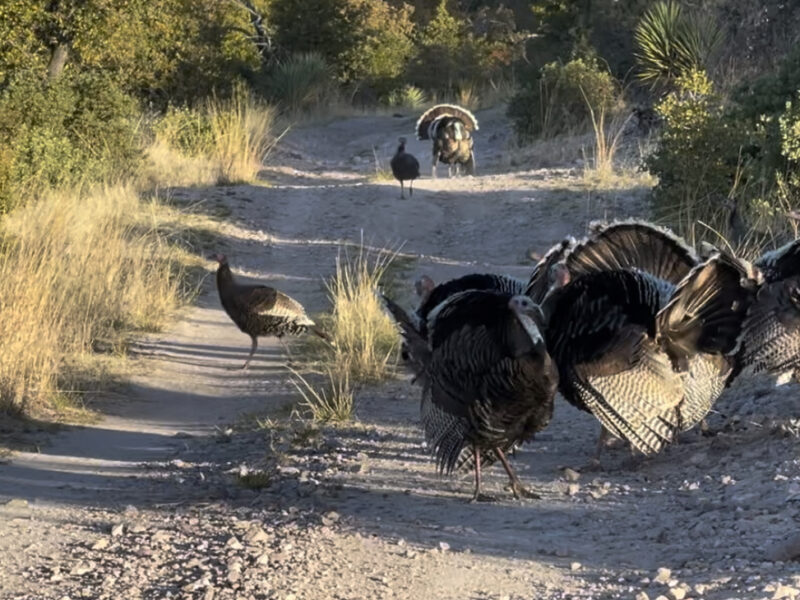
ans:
(643, 336)
(405, 167)
(771, 340)
(450, 127)
(488, 381)
(259, 310)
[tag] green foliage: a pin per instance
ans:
(362, 40)
(769, 93)
(789, 125)
(186, 130)
(54, 133)
(301, 82)
(559, 99)
(451, 56)
(408, 96)
(702, 156)
(671, 42)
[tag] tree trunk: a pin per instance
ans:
(57, 60)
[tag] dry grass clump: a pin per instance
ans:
(363, 338)
(79, 270)
(224, 141)
(242, 136)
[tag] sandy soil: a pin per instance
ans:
(145, 503)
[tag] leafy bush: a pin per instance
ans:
(56, 133)
(671, 42)
(703, 157)
(361, 40)
(558, 100)
(301, 82)
(185, 129)
(768, 94)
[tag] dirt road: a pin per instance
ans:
(145, 503)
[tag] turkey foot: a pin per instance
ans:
(253, 347)
(517, 488)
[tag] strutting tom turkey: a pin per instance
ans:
(259, 310)
(642, 334)
(451, 128)
(488, 381)
(405, 167)
(771, 340)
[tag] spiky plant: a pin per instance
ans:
(671, 42)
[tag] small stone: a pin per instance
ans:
(263, 559)
(290, 597)
(209, 595)
(662, 597)
(575, 566)
(784, 591)
(160, 536)
(410, 554)
(117, 530)
(330, 518)
(726, 480)
(642, 596)
(573, 489)
(234, 543)
(81, 569)
(571, 474)
(700, 589)
(101, 544)
(663, 575)
(16, 503)
(677, 593)
(444, 546)
(255, 535)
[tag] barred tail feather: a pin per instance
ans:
(445, 434)
(632, 245)
(707, 309)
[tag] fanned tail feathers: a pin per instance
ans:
(424, 122)
(632, 245)
(707, 310)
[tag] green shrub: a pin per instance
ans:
(704, 156)
(768, 94)
(301, 82)
(187, 130)
(60, 132)
(556, 101)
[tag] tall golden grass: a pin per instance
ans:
(363, 339)
(225, 141)
(79, 269)
(242, 136)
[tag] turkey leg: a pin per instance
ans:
(477, 496)
(253, 347)
(516, 486)
(401, 190)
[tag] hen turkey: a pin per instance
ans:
(405, 167)
(259, 310)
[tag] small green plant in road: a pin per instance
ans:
(335, 401)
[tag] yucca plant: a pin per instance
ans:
(671, 42)
(301, 82)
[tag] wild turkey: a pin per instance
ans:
(450, 127)
(259, 310)
(405, 167)
(542, 277)
(646, 355)
(488, 381)
(431, 295)
(771, 340)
